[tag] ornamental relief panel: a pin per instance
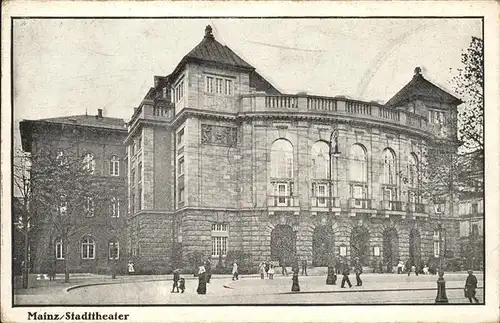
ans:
(219, 135)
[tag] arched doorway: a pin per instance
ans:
(323, 245)
(283, 244)
(360, 244)
(390, 246)
(414, 246)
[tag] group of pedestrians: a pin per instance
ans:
(266, 269)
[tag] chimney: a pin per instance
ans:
(99, 113)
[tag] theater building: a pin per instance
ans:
(102, 239)
(221, 161)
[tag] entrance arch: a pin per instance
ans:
(323, 245)
(283, 244)
(414, 246)
(390, 246)
(360, 238)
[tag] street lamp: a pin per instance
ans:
(441, 283)
(333, 151)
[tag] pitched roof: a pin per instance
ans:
(210, 50)
(419, 87)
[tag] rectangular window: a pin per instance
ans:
(114, 250)
(321, 194)
(181, 166)
(218, 85)
(282, 192)
(437, 250)
(220, 234)
(480, 207)
(461, 209)
(114, 207)
(139, 196)
(180, 137)
(132, 178)
(139, 172)
(132, 203)
(210, 84)
(59, 250)
(228, 88)
(357, 192)
(179, 91)
(89, 206)
(181, 195)
(139, 144)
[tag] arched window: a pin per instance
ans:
(389, 164)
(114, 166)
(358, 165)
(89, 162)
(59, 249)
(113, 249)
(319, 160)
(88, 248)
(413, 169)
(282, 159)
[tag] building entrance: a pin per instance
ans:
(283, 246)
(360, 244)
(323, 245)
(390, 247)
(414, 251)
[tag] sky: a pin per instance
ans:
(68, 67)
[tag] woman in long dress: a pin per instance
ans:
(202, 280)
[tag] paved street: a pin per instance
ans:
(377, 288)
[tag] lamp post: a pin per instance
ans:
(333, 150)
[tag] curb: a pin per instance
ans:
(370, 290)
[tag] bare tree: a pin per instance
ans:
(66, 197)
(22, 217)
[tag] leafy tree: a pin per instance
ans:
(468, 83)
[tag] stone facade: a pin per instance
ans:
(211, 156)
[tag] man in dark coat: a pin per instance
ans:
(345, 272)
(202, 281)
(176, 280)
(470, 287)
(304, 266)
(358, 269)
(208, 269)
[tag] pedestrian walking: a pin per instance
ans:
(235, 271)
(345, 273)
(426, 270)
(208, 269)
(182, 284)
(358, 269)
(470, 287)
(271, 272)
(304, 266)
(408, 266)
(176, 281)
(380, 266)
(262, 269)
(266, 263)
(202, 280)
(130, 267)
(400, 267)
(283, 267)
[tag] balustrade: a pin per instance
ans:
(281, 101)
(322, 104)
